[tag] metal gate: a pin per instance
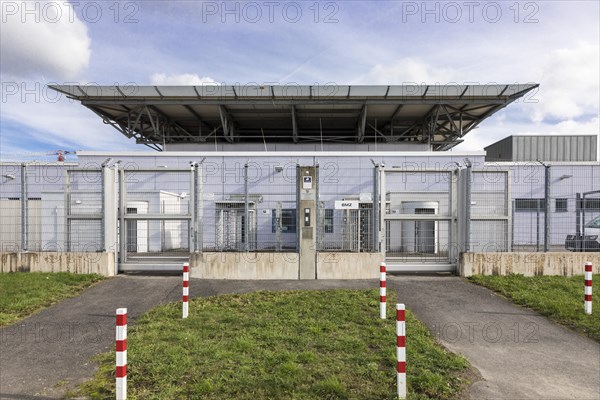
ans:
(419, 214)
(490, 212)
(156, 217)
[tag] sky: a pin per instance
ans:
(553, 43)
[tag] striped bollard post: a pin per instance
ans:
(186, 288)
(121, 372)
(587, 304)
(401, 350)
(382, 290)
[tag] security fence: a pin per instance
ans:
(225, 204)
(49, 207)
(346, 205)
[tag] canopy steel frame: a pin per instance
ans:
(249, 115)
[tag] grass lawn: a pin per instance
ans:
(557, 297)
(23, 293)
(279, 345)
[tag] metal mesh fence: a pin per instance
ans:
(345, 205)
(156, 212)
(513, 207)
(46, 207)
(248, 206)
(418, 212)
(546, 215)
(490, 211)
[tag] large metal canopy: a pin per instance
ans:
(439, 115)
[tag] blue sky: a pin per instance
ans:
(554, 43)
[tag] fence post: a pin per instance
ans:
(199, 207)
(186, 288)
(122, 211)
(401, 350)
(103, 179)
(246, 225)
(382, 290)
(24, 207)
(587, 304)
(121, 351)
(546, 207)
(376, 207)
(192, 234)
(468, 206)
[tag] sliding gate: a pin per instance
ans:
(419, 219)
(156, 214)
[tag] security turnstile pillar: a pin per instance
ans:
(307, 220)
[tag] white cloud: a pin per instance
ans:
(407, 70)
(570, 86)
(43, 38)
(181, 79)
(58, 123)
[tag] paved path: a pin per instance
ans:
(45, 355)
(520, 354)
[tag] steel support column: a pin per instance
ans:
(24, 207)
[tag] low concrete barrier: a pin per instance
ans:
(79, 263)
(528, 264)
(348, 265)
(215, 265)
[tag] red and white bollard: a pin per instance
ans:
(587, 304)
(401, 350)
(121, 372)
(186, 288)
(382, 290)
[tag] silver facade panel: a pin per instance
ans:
(544, 148)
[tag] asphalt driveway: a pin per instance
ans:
(520, 354)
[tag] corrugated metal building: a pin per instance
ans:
(544, 148)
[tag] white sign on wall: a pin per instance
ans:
(346, 205)
(307, 182)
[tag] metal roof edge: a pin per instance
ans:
(557, 163)
(280, 154)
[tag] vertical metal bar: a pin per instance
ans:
(468, 209)
(103, 177)
(122, 211)
(382, 208)
(375, 209)
(192, 210)
(510, 212)
(546, 207)
(578, 238)
(200, 209)
(298, 211)
(319, 220)
(246, 220)
(582, 213)
(24, 207)
(67, 229)
(278, 225)
(537, 231)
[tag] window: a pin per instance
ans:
(529, 205)
(561, 205)
(592, 204)
(328, 220)
(595, 223)
(288, 220)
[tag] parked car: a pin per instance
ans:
(589, 242)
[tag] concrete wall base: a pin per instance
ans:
(79, 263)
(348, 265)
(209, 265)
(282, 265)
(528, 264)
